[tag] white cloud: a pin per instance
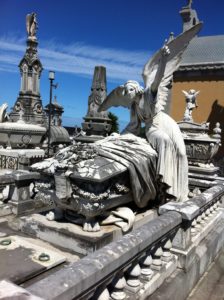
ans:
(77, 59)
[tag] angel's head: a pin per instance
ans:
(192, 92)
(133, 89)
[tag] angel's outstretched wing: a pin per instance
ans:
(176, 47)
(185, 93)
(116, 98)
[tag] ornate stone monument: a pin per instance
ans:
(21, 131)
(90, 179)
(97, 124)
(28, 106)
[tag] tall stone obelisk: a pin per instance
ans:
(97, 124)
(28, 106)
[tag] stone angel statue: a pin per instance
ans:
(31, 25)
(147, 104)
(191, 103)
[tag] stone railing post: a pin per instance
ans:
(197, 217)
(21, 201)
(23, 161)
(5, 180)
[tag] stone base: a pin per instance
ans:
(22, 207)
(72, 237)
(203, 181)
(5, 210)
(203, 170)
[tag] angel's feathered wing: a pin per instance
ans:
(116, 98)
(177, 46)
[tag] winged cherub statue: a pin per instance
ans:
(191, 103)
(147, 104)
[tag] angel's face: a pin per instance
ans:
(130, 91)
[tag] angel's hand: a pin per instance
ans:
(165, 51)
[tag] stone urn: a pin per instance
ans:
(201, 146)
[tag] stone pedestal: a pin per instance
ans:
(72, 236)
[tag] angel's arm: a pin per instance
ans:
(161, 69)
(134, 126)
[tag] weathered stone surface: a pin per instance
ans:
(20, 259)
(181, 283)
(187, 255)
(8, 291)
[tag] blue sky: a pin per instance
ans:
(76, 35)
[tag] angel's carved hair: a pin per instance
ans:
(138, 88)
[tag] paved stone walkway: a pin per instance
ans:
(211, 285)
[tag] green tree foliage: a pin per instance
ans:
(114, 122)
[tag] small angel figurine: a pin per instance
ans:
(191, 103)
(147, 104)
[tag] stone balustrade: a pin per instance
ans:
(125, 269)
(137, 264)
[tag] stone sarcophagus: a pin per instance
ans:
(90, 179)
(97, 184)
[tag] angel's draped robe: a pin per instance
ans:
(164, 135)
